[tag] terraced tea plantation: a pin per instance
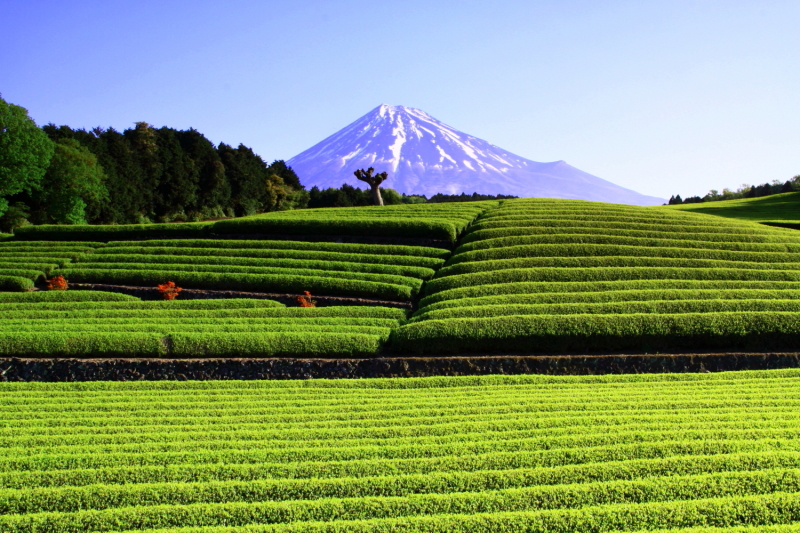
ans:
(377, 271)
(23, 263)
(689, 453)
(556, 276)
(99, 324)
(532, 276)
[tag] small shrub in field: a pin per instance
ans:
(306, 301)
(57, 283)
(169, 290)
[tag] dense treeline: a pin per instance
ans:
(165, 175)
(474, 197)
(745, 191)
(57, 175)
(348, 196)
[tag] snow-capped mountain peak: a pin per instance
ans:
(425, 156)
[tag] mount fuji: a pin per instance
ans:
(425, 156)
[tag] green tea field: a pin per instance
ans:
(528, 276)
(685, 453)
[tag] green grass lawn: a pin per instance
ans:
(776, 208)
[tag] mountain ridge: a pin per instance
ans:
(425, 156)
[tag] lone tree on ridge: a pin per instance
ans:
(374, 182)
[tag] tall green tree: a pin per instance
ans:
(246, 173)
(25, 152)
(73, 188)
(144, 146)
(215, 191)
(179, 187)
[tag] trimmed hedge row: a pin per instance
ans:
(43, 256)
(605, 261)
(353, 487)
(601, 286)
(545, 274)
(65, 296)
(616, 296)
(292, 245)
(33, 250)
(143, 344)
(663, 233)
(132, 303)
(374, 268)
(591, 507)
(414, 283)
(417, 261)
(418, 227)
(607, 308)
(632, 219)
(105, 233)
(37, 266)
(504, 242)
(255, 312)
(15, 283)
(32, 274)
(591, 249)
(601, 333)
(688, 225)
(244, 282)
(232, 319)
(265, 327)
(17, 245)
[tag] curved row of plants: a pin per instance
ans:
(555, 276)
(390, 272)
(98, 324)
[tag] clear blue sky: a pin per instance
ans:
(661, 97)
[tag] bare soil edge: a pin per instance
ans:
(70, 370)
(151, 293)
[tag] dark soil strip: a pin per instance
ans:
(248, 369)
(151, 293)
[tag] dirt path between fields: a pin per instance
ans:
(151, 293)
(19, 369)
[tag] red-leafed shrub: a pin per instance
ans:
(169, 290)
(306, 301)
(57, 283)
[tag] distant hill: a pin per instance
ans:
(778, 209)
(425, 156)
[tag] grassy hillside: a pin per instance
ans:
(715, 452)
(432, 221)
(558, 276)
(528, 276)
(779, 208)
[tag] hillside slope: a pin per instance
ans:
(555, 276)
(535, 276)
(778, 209)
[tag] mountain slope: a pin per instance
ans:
(425, 156)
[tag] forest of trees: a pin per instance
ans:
(165, 175)
(745, 191)
(58, 175)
